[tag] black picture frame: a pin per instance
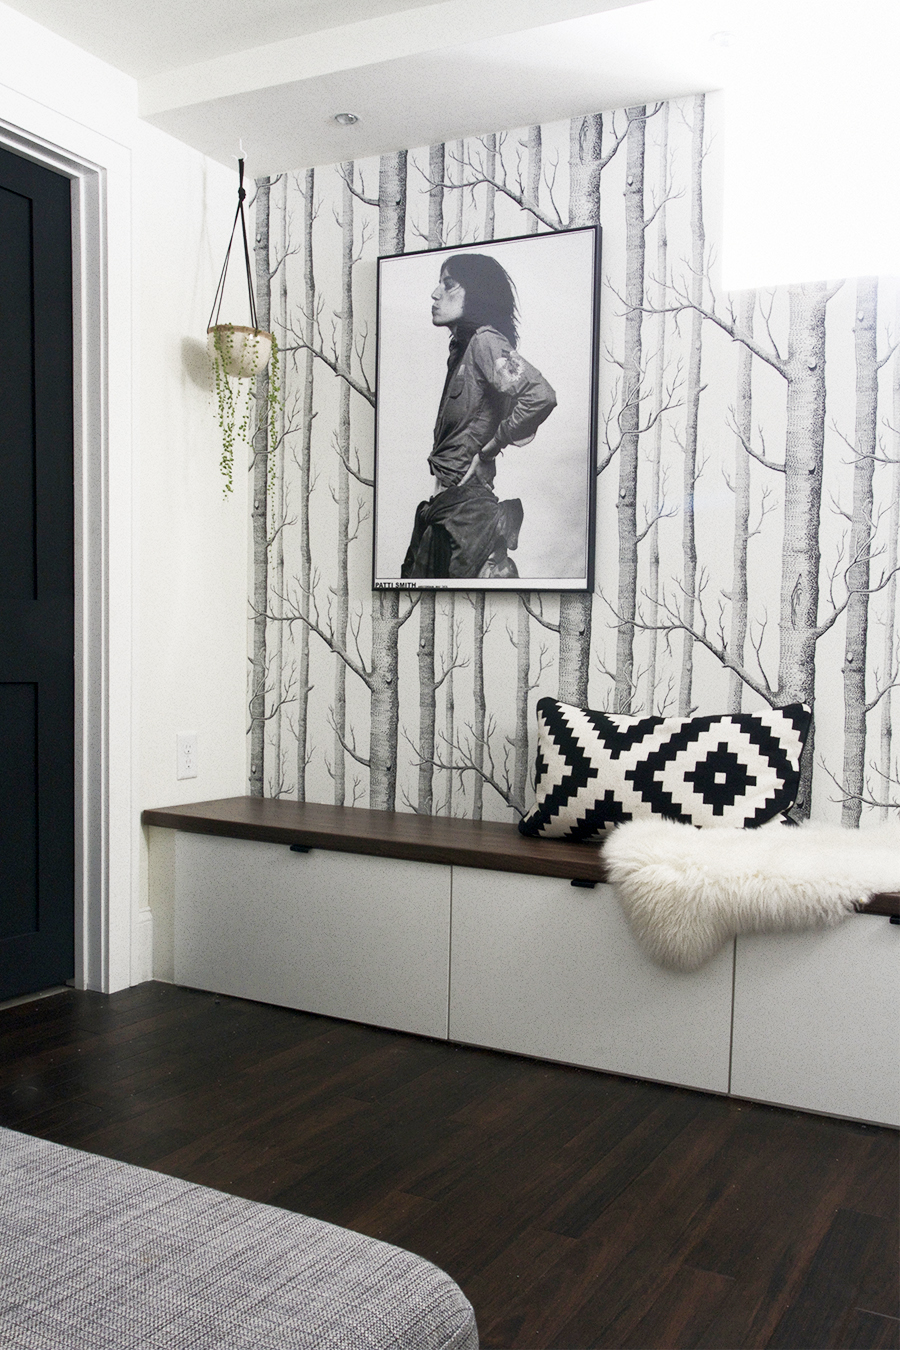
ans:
(556, 279)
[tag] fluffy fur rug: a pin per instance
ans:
(686, 892)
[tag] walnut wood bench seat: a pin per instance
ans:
(397, 834)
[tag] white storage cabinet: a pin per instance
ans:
(525, 963)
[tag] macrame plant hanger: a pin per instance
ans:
(242, 351)
(220, 289)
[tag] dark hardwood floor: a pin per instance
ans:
(574, 1208)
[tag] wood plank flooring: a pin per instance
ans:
(574, 1208)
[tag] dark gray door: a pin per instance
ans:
(37, 718)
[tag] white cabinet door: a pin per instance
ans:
(543, 968)
(361, 938)
(817, 1020)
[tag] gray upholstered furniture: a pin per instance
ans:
(99, 1255)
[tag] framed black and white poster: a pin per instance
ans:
(486, 415)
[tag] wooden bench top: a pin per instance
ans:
(495, 845)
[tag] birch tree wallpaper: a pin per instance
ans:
(748, 487)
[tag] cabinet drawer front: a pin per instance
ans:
(817, 1020)
(366, 939)
(543, 968)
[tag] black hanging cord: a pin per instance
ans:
(220, 289)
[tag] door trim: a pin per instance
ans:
(91, 442)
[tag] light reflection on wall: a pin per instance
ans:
(812, 109)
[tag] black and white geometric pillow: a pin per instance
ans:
(595, 770)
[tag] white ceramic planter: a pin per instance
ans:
(244, 352)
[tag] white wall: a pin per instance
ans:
(176, 651)
(191, 586)
(813, 116)
(191, 641)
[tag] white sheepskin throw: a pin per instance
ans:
(686, 892)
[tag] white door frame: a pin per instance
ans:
(105, 864)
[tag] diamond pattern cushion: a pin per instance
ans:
(595, 770)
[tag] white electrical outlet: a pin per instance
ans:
(186, 754)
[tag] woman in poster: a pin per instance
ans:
(492, 398)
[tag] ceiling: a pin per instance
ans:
(144, 40)
(269, 75)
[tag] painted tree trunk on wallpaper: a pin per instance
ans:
(455, 235)
(886, 773)
(521, 757)
(522, 642)
(259, 495)
(479, 703)
(630, 410)
(803, 469)
(342, 493)
(452, 649)
(767, 586)
(654, 700)
(436, 171)
(490, 192)
(427, 704)
(862, 539)
(428, 683)
(743, 421)
(479, 610)
(694, 390)
(308, 416)
(458, 156)
(533, 148)
(387, 618)
(282, 681)
(586, 164)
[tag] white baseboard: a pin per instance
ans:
(142, 947)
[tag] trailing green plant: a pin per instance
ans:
(235, 401)
(276, 405)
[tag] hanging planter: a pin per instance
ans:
(243, 352)
(238, 352)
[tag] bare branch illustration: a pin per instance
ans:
(538, 614)
(680, 302)
(294, 610)
(475, 171)
(359, 385)
(358, 192)
(278, 786)
(868, 795)
(461, 759)
(363, 513)
(743, 436)
(671, 621)
(885, 682)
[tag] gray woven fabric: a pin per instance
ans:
(99, 1255)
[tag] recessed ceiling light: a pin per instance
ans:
(346, 119)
